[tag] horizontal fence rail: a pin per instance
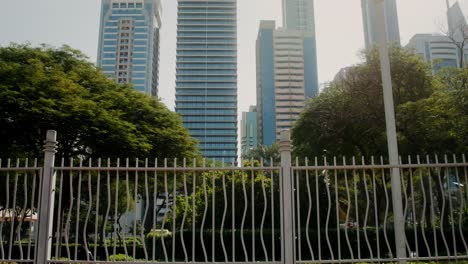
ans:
(343, 209)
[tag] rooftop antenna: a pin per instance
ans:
(448, 17)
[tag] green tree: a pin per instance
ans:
(45, 88)
(265, 153)
(348, 117)
(438, 124)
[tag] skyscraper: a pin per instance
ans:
(206, 74)
(299, 15)
(456, 19)
(369, 17)
(249, 130)
(286, 69)
(129, 42)
(285, 79)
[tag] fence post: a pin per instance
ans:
(288, 235)
(47, 197)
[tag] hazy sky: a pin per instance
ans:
(338, 29)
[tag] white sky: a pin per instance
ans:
(338, 29)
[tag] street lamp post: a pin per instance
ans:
(392, 143)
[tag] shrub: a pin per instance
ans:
(120, 257)
(158, 233)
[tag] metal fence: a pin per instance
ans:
(322, 210)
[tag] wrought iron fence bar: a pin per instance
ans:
(4, 212)
(13, 261)
(108, 210)
(317, 204)
(252, 209)
(213, 208)
(465, 169)
(244, 215)
(21, 169)
(273, 241)
(166, 194)
(462, 208)
(186, 195)
(297, 190)
(423, 213)
(88, 213)
(337, 207)
(135, 198)
(174, 204)
(225, 209)
(327, 222)
(165, 169)
(452, 222)
(376, 219)
(348, 211)
(309, 211)
(386, 260)
(139, 262)
(265, 208)
(33, 205)
(366, 216)
(442, 213)
(356, 207)
(13, 213)
(405, 205)
(413, 208)
(383, 166)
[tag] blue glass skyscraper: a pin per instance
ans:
(129, 42)
(369, 20)
(206, 74)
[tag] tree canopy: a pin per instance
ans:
(43, 88)
(265, 153)
(348, 117)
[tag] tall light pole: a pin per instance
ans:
(392, 143)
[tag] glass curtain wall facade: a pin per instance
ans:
(206, 75)
(129, 42)
(249, 130)
(299, 15)
(369, 17)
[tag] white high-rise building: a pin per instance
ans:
(439, 50)
(285, 78)
(445, 50)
